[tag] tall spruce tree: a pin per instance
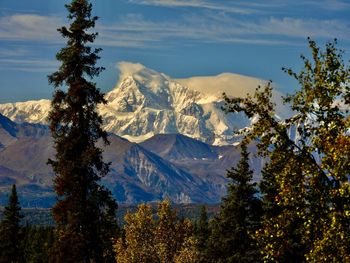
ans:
(10, 230)
(85, 210)
(232, 230)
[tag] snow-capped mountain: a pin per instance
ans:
(146, 102)
(180, 123)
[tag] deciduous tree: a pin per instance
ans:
(161, 238)
(305, 184)
(137, 243)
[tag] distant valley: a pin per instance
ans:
(167, 165)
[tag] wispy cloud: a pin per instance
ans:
(11, 52)
(24, 27)
(141, 32)
(29, 65)
(249, 7)
(333, 5)
(297, 27)
(211, 5)
(133, 30)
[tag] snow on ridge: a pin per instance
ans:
(146, 102)
(35, 111)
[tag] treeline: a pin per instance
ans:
(27, 243)
(34, 216)
(43, 216)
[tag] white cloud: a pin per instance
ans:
(296, 27)
(24, 27)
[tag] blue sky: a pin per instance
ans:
(181, 38)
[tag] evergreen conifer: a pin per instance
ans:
(232, 230)
(85, 210)
(10, 248)
(202, 234)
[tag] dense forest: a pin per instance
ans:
(298, 212)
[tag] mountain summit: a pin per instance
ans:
(145, 103)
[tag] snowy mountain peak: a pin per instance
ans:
(146, 102)
(151, 79)
(146, 88)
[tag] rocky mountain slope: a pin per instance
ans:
(175, 166)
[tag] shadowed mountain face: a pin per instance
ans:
(173, 165)
(22, 162)
(208, 162)
(140, 175)
(178, 122)
(179, 147)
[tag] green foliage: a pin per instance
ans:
(305, 185)
(202, 234)
(281, 235)
(30, 244)
(10, 237)
(324, 95)
(85, 210)
(232, 230)
(36, 243)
